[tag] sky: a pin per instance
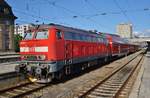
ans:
(101, 15)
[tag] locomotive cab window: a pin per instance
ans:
(28, 35)
(59, 34)
(42, 35)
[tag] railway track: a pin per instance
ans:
(8, 70)
(8, 75)
(21, 90)
(29, 88)
(113, 84)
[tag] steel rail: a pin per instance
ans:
(21, 90)
(8, 75)
(118, 93)
(84, 94)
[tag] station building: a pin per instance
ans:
(7, 19)
(124, 30)
(23, 28)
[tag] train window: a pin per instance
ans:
(42, 35)
(102, 40)
(90, 39)
(86, 38)
(81, 37)
(72, 36)
(76, 36)
(68, 35)
(28, 35)
(96, 39)
(93, 39)
(99, 40)
(59, 35)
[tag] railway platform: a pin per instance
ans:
(141, 88)
(8, 62)
(7, 67)
(9, 57)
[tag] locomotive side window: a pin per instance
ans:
(90, 38)
(81, 37)
(75, 36)
(68, 35)
(87, 38)
(28, 35)
(71, 36)
(96, 39)
(42, 35)
(99, 40)
(59, 35)
(102, 40)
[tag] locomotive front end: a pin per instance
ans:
(34, 51)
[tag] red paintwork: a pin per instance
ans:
(60, 49)
(118, 46)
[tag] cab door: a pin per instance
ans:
(59, 45)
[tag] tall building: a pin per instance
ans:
(7, 19)
(21, 29)
(125, 30)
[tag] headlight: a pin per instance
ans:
(41, 57)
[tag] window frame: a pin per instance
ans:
(60, 34)
(44, 31)
(26, 35)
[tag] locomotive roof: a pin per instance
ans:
(64, 28)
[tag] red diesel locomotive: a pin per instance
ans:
(53, 51)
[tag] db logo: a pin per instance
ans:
(32, 49)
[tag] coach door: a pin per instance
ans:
(68, 52)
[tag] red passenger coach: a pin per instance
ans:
(118, 46)
(52, 51)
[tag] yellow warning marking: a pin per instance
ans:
(32, 79)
